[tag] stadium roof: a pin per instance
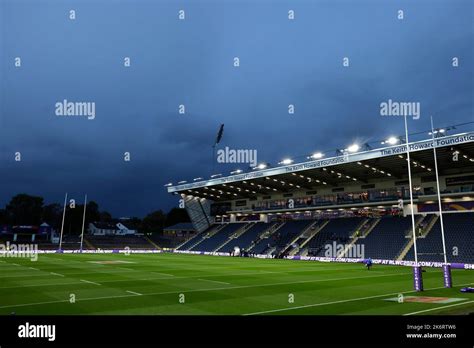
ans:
(360, 167)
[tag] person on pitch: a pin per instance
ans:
(368, 263)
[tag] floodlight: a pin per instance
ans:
(286, 161)
(317, 155)
(353, 148)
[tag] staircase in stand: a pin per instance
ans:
(156, 246)
(237, 234)
(314, 233)
(89, 244)
(370, 228)
(265, 235)
(411, 241)
(212, 232)
(295, 250)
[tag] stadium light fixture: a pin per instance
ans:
(260, 166)
(391, 141)
(286, 161)
(316, 155)
(182, 182)
(238, 171)
(437, 132)
(169, 184)
(215, 175)
(196, 179)
(353, 148)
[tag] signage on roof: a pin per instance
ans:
(327, 162)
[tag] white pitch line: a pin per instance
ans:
(23, 276)
(70, 274)
(316, 304)
(37, 285)
(206, 275)
(169, 275)
(88, 281)
(57, 274)
(34, 304)
(441, 307)
(209, 275)
(342, 301)
(36, 269)
(133, 292)
(216, 289)
(165, 274)
(175, 292)
(214, 281)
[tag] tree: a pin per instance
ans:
(92, 212)
(24, 209)
(3, 217)
(154, 222)
(176, 215)
(73, 220)
(105, 216)
(52, 214)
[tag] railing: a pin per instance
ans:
(235, 235)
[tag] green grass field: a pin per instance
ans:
(154, 284)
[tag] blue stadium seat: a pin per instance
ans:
(210, 244)
(246, 239)
(459, 235)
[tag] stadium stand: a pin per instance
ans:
(198, 238)
(210, 243)
(338, 230)
(245, 240)
(288, 233)
(387, 239)
(116, 242)
(280, 237)
(459, 235)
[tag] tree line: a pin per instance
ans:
(24, 209)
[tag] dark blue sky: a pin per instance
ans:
(191, 62)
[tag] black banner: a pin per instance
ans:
(224, 331)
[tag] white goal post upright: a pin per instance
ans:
(446, 266)
(417, 273)
(62, 224)
(83, 221)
